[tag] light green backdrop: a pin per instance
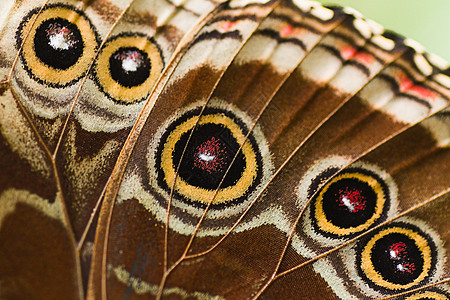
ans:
(427, 22)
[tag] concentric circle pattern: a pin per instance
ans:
(350, 203)
(59, 46)
(127, 67)
(397, 257)
(212, 156)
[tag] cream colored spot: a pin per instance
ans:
(442, 79)
(383, 43)
(440, 130)
(362, 27)
(352, 11)
(415, 45)
(438, 61)
(322, 13)
(242, 3)
(422, 64)
(376, 27)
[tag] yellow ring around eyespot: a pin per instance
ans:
(368, 268)
(200, 194)
(428, 294)
(112, 87)
(327, 226)
(47, 73)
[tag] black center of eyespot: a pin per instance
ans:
(209, 153)
(129, 66)
(397, 258)
(349, 202)
(58, 43)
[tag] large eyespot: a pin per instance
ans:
(210, 151)
(60, 46)
(350, 203)
(397, 257)
(217, 136)
(127, 67)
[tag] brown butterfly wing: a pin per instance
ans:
(65, 117)
(225, 244)
(255, 169)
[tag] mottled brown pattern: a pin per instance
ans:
(308, 285)
(140, 18)
(81, 147)
(34, 182)
(3, 88)
(172, 34)
(106, 9)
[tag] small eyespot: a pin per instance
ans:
(350, 203)
(59, 47)
(397, 257)
(127, 67)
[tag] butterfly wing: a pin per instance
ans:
(75, 76)
(283, 149)
(225, 182)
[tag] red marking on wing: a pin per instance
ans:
(363, 57)
(406, 84)
(349, 52)
(355, 200)
(227, 25)
(213, 150)
(286, 30)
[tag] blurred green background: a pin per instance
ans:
(427, 22)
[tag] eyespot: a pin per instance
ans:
(350, 203)
(60, 46)
(396, 257)
(219, 133)
(127, 67)
(211, 149)
(345, 202)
